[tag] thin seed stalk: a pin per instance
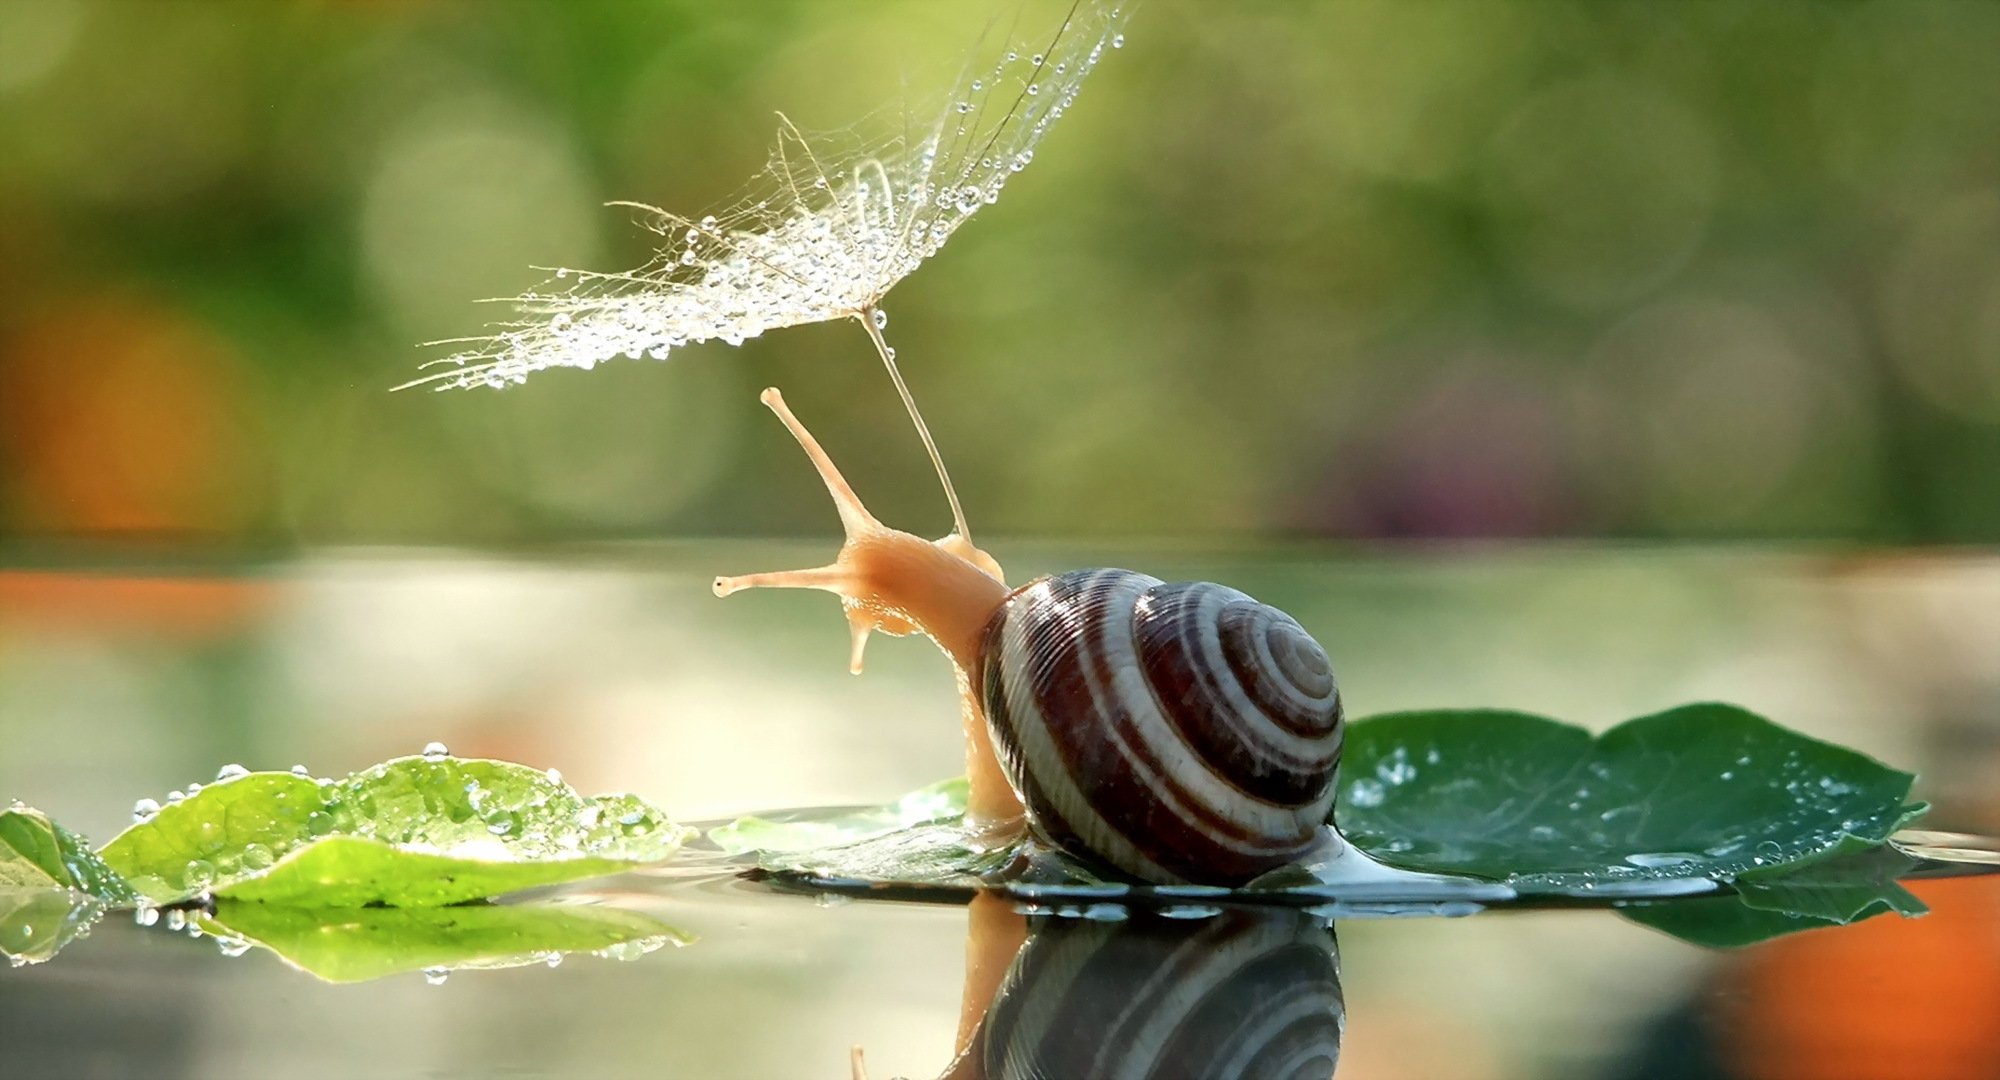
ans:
(867, 319)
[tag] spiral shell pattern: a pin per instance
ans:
(1174, 733)
(1241, 994)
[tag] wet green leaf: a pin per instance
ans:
(1702, 791)
(353, 871)
(35, 923)
(355, 945)
(931, 854)
(226, 831)
(1835, 892)
(37, 853)
(414, 831)
(942, 801)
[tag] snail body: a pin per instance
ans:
(1167, 732)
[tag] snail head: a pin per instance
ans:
(887, 579)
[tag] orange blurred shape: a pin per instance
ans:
(187, 605)
(1891, 998)
(120, 416)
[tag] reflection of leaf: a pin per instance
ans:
(1834, 892)
(413, 831)
(355, 945)
(35, 923)
(1702, 791)
(942, 801)
(37, 853)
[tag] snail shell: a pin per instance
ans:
(1241, 994)
(1173, 732)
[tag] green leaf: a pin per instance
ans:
(934, 854)
(37, 853)
(1835, 892)
(35, 923)
(356, 945)
(229, 830)
(354, 871)
(410, 832)
(1702, 791)
(942, 801)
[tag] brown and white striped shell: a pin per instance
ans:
(1171, 732)
(1240, 994)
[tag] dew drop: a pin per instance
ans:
(554, 775)
(1033, 89)
(880, 318)
(1118, 41)
(436, 751)
(257, 857)
(146, 916)
(230, 772)
(176, 796)
(144, 809)
(436, 975)
(301, 772)
(232, 947)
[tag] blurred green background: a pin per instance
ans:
(1349, 269)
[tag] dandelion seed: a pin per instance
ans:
(832, 224)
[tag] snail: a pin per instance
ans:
(1170, 733)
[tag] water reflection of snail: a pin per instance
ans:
(1171, 733)
(1246, 992)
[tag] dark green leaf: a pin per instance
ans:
(1702, 791)
(1834, 892)
(346, 946)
